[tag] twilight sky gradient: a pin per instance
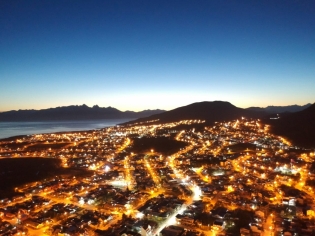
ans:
(136, 55)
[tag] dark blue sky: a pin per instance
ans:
(136, 55)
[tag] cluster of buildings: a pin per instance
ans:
(233, 178)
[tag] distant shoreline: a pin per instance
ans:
(12, 130)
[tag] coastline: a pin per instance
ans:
(9, 130)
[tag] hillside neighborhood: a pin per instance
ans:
(232, 178)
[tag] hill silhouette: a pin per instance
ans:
(298, 127)
(281, 109)
(208, 111)
(82, 112)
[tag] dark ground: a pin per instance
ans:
(18, 171)
(163, 145)
(242, 147)
(44, 146)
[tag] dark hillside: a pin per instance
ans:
(209, 111)
(298, 127)
(281, 109)
(18, 171)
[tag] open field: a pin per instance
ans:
(163, 145)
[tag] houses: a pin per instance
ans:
(228, 178)
(172, 230)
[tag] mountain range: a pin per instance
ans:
(281, 109)
(298, 127)
(82, 112)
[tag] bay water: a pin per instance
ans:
(9, 129)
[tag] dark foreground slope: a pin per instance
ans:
(73, 113)
(208, 111)
(298, 127)
(18, 171)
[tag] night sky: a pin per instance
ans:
(136, 55)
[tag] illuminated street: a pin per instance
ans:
(231, 177)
